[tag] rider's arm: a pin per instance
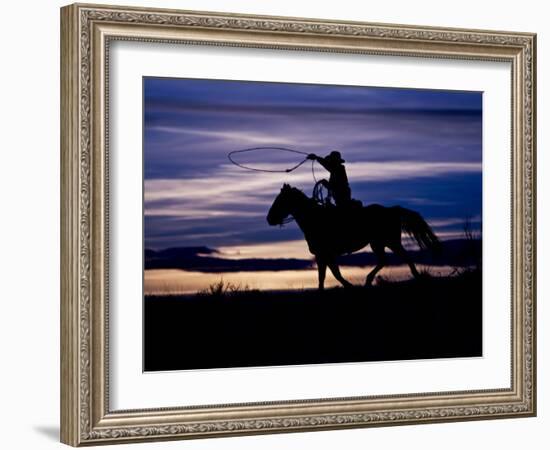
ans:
(320, 160)
(323, 162)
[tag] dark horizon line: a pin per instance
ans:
(458, 252)
(209, 249)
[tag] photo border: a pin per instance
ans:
(86, 32)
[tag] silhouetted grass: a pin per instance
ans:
(223, 289)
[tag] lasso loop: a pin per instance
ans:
(252, 149)
(317, 191)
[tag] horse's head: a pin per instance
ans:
(283, 205)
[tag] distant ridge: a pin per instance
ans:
(457, 252)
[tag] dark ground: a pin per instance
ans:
(431, 318)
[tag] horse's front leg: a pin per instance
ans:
(336, 272)
(322, 271)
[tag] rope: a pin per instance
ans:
(252, 149)
(313, 171)
(230, 157)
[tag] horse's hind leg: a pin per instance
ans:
(381, 255)
(400, 251)
(322, 270)
(336, 272)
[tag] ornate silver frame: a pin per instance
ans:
(86, 31)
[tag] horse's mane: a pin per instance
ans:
(303, 195)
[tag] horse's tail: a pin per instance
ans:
(417, 228)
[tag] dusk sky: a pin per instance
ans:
(421, 149)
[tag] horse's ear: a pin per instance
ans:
(285, 187)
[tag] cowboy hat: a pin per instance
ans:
(335, 156)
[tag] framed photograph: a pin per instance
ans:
(275, 224)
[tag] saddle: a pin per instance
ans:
(354, 203)
(351, 205)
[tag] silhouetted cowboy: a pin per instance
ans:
(337, 185)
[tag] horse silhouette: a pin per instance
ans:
(332, 231)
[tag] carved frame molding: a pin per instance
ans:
(86, 32)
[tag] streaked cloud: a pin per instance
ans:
(236, 136)
(417, 148)
(228, 188)
(285, 249)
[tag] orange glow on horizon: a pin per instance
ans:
(178, 282)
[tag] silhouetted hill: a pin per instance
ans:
(414, 319)
(199, 259)
(458, 252)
